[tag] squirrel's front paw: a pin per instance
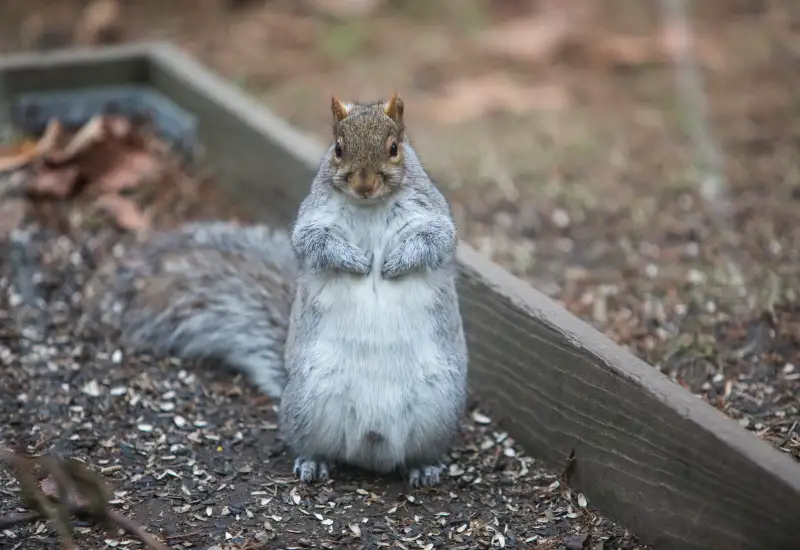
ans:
(358, 263)
(311, 470)
(393, 266)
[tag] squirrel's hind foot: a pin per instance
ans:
(311, 470)
(424, 476)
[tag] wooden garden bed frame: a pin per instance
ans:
(647, 453)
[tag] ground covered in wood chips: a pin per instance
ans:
(192, 454)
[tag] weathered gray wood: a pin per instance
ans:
(674, 470)
(71, 69)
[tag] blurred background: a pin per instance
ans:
(635, 160)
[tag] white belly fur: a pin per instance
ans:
(378, 350)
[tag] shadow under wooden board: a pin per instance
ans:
(678, 473)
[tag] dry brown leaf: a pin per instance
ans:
(129, 170)
(471, 98)
(90, 133)
(99, 23)
(125, 212)
(105, 157)
(56, 183)
(29, 150)
(616, 51)
(49, 488)
(13, 158)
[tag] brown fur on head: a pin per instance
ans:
(368, 153)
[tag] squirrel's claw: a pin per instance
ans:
(427, 476)
(311, 470)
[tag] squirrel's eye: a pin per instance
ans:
(338, 150)
(393, 149)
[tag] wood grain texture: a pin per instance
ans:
(677, 472)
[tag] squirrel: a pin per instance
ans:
(350, 318)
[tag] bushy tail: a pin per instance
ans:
(206, 291)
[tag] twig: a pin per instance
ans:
(80, 493)
(172, 539)
(12, 520)
(123, 522)
(136, 529)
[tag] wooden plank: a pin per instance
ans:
(649, 454)
(671, 468)
(79, 68)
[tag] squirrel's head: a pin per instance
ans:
(367, 156)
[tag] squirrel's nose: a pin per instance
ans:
(365, 183)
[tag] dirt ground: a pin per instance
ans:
(571, 152)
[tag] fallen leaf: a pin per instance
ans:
(470, 98)
(128, 171)
(49, 488)
(29, 150)
(106, 156)
(14, 158)
(99, 23)
(617, 51)
(56, 182)
(125, 212)
(90, 133)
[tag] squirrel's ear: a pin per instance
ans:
(394, 108)
(339, 109)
